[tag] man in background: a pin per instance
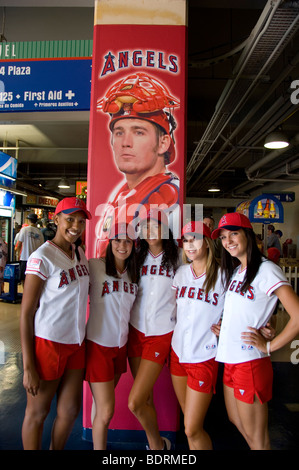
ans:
(272, 239)
(30, 238)
(47, 230)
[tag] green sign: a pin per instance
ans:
(45, 49)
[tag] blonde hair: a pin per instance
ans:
(211, 267)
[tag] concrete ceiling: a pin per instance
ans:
(242, 60)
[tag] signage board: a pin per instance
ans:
(8, 166)
(45, 85)
(266, 209)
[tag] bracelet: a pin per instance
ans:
(268, 348)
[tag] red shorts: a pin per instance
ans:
(52, 358)
(103, 363)
(249, 379)
(152, 348)
(201, 376)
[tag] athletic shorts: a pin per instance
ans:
(152, 348)
(103, 363)
(52, 359)
(249, 379)
(201, 376)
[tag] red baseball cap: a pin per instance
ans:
(273, 254)
(232, 221)
(196, 227)
(69, 205)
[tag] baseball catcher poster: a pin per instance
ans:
(137, 116)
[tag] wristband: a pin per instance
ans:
(268, 348)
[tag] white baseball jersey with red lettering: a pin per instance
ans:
(193, 340)
(111, 300)
(61, 315)
(252, 308)
(154, 310)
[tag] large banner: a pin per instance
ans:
(138, 95)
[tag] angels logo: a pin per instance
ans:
(72, 274)
(118, 286)
(223, 221)
(138, 58)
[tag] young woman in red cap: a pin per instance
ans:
(199, 298)
(253, 284)
(152, 320)
(53, 329)
(113, 289)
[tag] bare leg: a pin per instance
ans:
(194, 406)
(197, 404)
(250, 419)
(141, 399)
(180, 387)
(68, 406)
(104, 402)
(37, 410)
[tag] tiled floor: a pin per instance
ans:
(283, 409)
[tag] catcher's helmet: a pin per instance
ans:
(143, 97)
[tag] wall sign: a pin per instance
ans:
(45, 85)
(45, 76)
(266, 209)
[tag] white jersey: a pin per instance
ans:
(31, 238)
(111, 300)
(154, 309)
(252, 308)
(61, 315)
(193, 340)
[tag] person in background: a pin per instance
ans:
(200, 299)
(47, 231)
(252, 284)
(152, 320)
(272, 239)
(53, 328)
(29, 239)
(113, 289)
(210, 222)
(278, 233)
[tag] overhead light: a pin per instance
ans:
(13, 190)
(276, 140)
(64, 184)
(214, 188)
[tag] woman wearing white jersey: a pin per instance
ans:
(113, 289)
(253, 285)
(200, 299)
(152, 320)
(53, 329)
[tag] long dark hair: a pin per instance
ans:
(254, 260)
(170, 258)
(130, 263)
